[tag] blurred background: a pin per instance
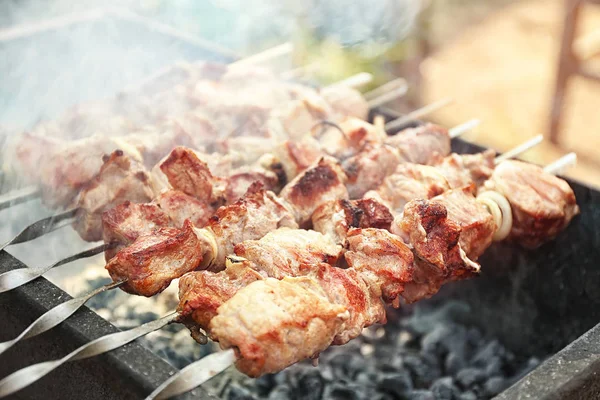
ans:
(499, 59)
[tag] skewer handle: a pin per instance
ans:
(28, 375)
(354, 81)
(194, 375)
(561, 164)
(463, 128)
(418, 113)
(386, 92)
(43, 226)
(519, 149)
(17, 277)
(18, 196)
(55, 316)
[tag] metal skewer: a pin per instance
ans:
(387, 92)
(418, 113)
(520, 149)
(463, 128)
(20, 276)
(28, 375)
(19, 196)
(560, 165)
(43, 226)
(55, 316)
(194, 375)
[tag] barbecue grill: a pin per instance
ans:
(536, 302)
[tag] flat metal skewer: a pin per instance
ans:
(463, 128)
(20, 276)
(43, 226)
(560, 165)
(418, 113)
(194, 375)
(512, 153)
(387, 92)
(28, 375)
(19, 196)
(55, 316)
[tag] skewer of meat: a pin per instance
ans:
(319, 305)
(365, 213)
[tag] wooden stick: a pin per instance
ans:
(264, 56)
(386, 92)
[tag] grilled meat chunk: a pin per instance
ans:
(321, 182)
(289, 320)
(180, 207)
(476, 223)
(253, 216)
(120, 179)
(202, 292)
(153, 261)
(382, 259)
(288, 252)
(462, 170)
(336, 217)
(408, 182)
(241, 179)
(422, 144)
(187, 173)
(435, 238)
(367, 169)
(296, 156)
(542, 204)
(123, 224)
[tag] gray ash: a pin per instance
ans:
(427, 351)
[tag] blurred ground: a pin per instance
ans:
(502, 70)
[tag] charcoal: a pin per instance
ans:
(420, 395)
(487, 352)
(265, 384)
(236, 392)
(424, 369)
(346, 391)
(454, 363)
(445, 389)
(310, 385)
(445, 338)
(147, 316)
(281, 392)
(346, 365)
(395, 383)
(494, 366)
(468, 396)
(495, 385)
(367, 378)
(424, 320)
(468, 377)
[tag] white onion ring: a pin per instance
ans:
(208, 236)
(500, 209)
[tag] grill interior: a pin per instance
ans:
(534, 302)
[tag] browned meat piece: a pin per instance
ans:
(336, 217)
(382, 259)
(297, 117)
(421, 145)
(187, 173)
(465, 169)
(179, 207)
(241, 179)
(120, 179)
(153, 261)
(27, 153)
(408, 182)
(367, 169)
(123, 224)
(347, 137)
(296, 156)
(321, 182)
(289, 320)
(435, 238)
(542, 204)
(253, 216)
(288, 252)
(346, 101)
(202, 292)
(476, 223)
